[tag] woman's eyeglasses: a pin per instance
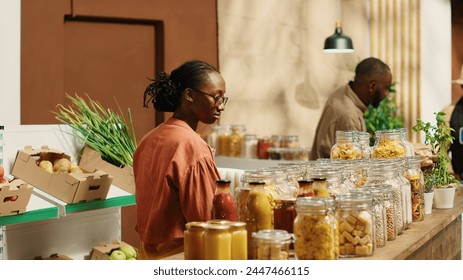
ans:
(218, 100)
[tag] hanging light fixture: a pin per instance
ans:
(338, 42)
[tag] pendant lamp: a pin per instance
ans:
(338, 42)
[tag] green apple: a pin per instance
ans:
(129, 251)
(117, 255)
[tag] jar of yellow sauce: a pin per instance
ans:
(217, 242)
(239, 241)
(193, 240)
(315, 229)
(259, 211)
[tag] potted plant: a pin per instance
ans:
(428, 192)
(439, 138)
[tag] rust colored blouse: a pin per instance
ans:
(175, 176)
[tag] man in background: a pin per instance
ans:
(345, 107)
(454, 118)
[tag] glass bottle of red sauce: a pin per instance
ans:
(223, 204)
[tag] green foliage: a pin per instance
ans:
(385, 116)
(439, 137)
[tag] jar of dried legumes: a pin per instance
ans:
(316, 229)
(356, 221)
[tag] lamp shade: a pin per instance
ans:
(338, 42)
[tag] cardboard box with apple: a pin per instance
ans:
(123, 177)
(14, 197)
(116, 250)
(68, 187)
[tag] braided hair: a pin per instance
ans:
(166, 90)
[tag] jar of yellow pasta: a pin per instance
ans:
(272, 244)
(315, 229)
(355, 217)
(345, 147)
(388, 144)
(415, 176)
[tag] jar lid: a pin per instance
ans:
(192, 225)
(313, 202)
(218, 227)
(273, 235)
(223, 181)
(288, 200)
(237, 224)
(218, 222)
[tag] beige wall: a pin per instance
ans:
(270, 53)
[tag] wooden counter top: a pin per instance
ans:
(437, 237)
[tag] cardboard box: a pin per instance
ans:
(103, 250)
(123, 177)
(68, 187)
(53, 257)
(14, 197)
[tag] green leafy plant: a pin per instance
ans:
(385, 116)
(103, 130)
(439, 138)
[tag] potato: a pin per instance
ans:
(62, 165)
(75, 169)
(46, 165)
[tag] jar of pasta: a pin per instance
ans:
(388, 144)
(284, 214)
(356, 224)
(193, 241)
(315, 229)
(415, 176)
(345, 146)
(259, 211)
(223, 204)
(217, 242)
(401, 168)
(239, 241)
(272, 244)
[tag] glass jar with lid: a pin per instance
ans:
(259, 210)
(249, 146)
(316, 229)
(379, 213)
(276, 141)
(363, 141)
(389, 208)
(329, 176)
(290, 141)
(239, 241)
(355, 217)
(384, 173)
(223, 140)
(401, 168)
(236, 140)
(284, 214)
(193, 244)
(409, 149)
(415, 176)
(217, 242)
(263, 145)
(272, 244)
(306, 188)
(388, 144)
(223, 203)
(345, 147)
(241, 196)
(212, 138)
